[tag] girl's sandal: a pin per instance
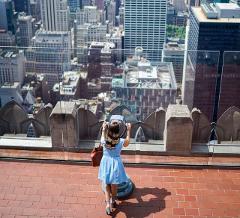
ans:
(108, 208)
(113, 202)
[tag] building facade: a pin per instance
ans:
(179, 5)
(35, 9)
(7, 38)
(55, 15)
(174, 52)
(214, 30)
(12, 66)
(9, 92)
(99, 4)
(7, 16)
(50, 55)
(22, 6)
(145, 86)
(89, 14)
(110, 8)
(69, 88)
(121, 14)
(26, 30)
(145, 26)
(74, 5)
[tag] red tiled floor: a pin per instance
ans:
(57, 190)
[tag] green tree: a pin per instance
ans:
(176, 31)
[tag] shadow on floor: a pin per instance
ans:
(143, 202)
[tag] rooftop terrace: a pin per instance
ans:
(56, 190)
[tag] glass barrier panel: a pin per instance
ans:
(227, 108)
(65, 95)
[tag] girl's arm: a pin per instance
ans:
(127, 140)
(104, 126)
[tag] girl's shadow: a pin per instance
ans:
(142, 203)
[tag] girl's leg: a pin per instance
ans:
(114, 190)
(107, 199)
(114, 194)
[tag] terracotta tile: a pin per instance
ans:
(192, 211)
(59, 190)
(178, 211)
(182, 191)
(190, 198)
(205, 212)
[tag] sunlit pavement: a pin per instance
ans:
(58, 190)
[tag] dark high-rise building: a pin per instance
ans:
(118, 5)
(74, 5)
(208, 84)
(35, 10)
(22, 6)
(7, 16)
(193, 3)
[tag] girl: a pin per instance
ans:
(111, 170)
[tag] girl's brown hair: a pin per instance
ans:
(114, 128)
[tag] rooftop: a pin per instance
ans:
(145, 75)
(6, 85)
(227, 6)
(201, 16)
(69, 84)
(50, 37)
(24, 17)
(10, 54)
(174, 46)
(57, 190)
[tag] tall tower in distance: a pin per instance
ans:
(22, 6)
(55, 15)
(7, 17)
(26, 32)
(74, 5)
(211, 76)
(145, 26)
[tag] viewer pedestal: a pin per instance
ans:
(125, 189)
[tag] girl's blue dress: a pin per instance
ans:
(111, 169)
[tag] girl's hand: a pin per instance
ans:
(104, 126)
(128, 126)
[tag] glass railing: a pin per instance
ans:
(56, 99)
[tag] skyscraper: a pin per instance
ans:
(50, 55)
(55, 15)
(7, 38)
(74, 5)
(12, 66)
(214, 30)
(110, 7)
(7, 18)
(22, 6)
(174, 52)
(25, 30)
(35, 10)
(145, 26)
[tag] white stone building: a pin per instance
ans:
(12, 67)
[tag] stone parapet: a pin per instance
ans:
(178, 129)
(63, 125)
